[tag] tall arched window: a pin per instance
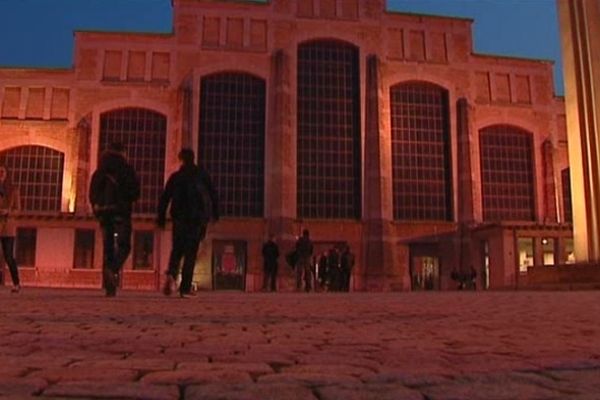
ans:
(143, 133)
(507, 173)
(38, 172)
(565, 177)
(329, 161)
(231, 143)
(421, 168)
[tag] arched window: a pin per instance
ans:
(507, 174)
(565, 176)
(231, 143)
(421, 168)
(143, 133)
(328, 148)
(38, 172)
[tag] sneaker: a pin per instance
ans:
(187, 295)
(168, 289)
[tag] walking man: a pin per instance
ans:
(113, 190)
(270, 252)
(9, 205)
(193, 204)
(304, 251)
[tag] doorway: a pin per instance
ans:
(229, 265)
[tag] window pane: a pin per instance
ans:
(566, 192)
(231, 144)
(525, 249)
(84, 249)
(507, 174)
(420, 152)
(548, 250)
(143, 249)
(143, 133)
(38, 173)
(328, 147)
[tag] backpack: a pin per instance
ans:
(106, 195)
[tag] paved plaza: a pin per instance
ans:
(65, 344)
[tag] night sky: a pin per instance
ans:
(38, 33)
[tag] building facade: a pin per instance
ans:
(380, 130)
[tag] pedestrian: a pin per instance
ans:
(270, 252)
(193, 201)
(304, 250)
(113, 190)
(333, 264)
(323, 271)
(10, 204)
(346, 266)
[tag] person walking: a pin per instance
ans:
(270, 252)
(10, 203)
(113, 190)
(304, 251)
(194, 203)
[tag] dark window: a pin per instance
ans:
(38, 173)
(507, 174)
(231, 145)
(328, 149)
(143, 249)
(421, 169)
(25, 246)
(566, 192)
(143, 133)
(83, 257)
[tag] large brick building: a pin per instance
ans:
(377, 129)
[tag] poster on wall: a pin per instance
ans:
(229, 264)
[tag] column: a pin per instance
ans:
(580, 34)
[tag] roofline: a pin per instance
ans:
(414, 14)
(521, 58)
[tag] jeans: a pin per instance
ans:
(187, 236)
(8, 244)
(270, 278)
(116, 237)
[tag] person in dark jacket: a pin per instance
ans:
(304, 251)
(193, 204)
(113, 190)
(346, 266)
(270, 252)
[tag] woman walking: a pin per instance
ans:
(9, 205)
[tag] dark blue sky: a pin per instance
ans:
(38, 33)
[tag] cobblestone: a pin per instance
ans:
(75, 344)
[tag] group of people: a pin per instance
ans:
(328, 271)
(193, 204)
(115, 187)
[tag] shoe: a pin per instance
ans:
(187, 295)
(168, 289)
(15, 289)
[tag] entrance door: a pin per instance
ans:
(425, 273)
(229, 265)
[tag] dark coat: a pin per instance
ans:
(270, 253)
(304, 248)
(115, 164)
(191, 194)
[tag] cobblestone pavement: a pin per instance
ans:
(60, 344)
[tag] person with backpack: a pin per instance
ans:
(113, 190)
(194, 203)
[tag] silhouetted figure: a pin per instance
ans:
(193, 204)
(304, 250)
(334, 272)
(270, 252)
(113, 190)
(10, 204)
(346, 266)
